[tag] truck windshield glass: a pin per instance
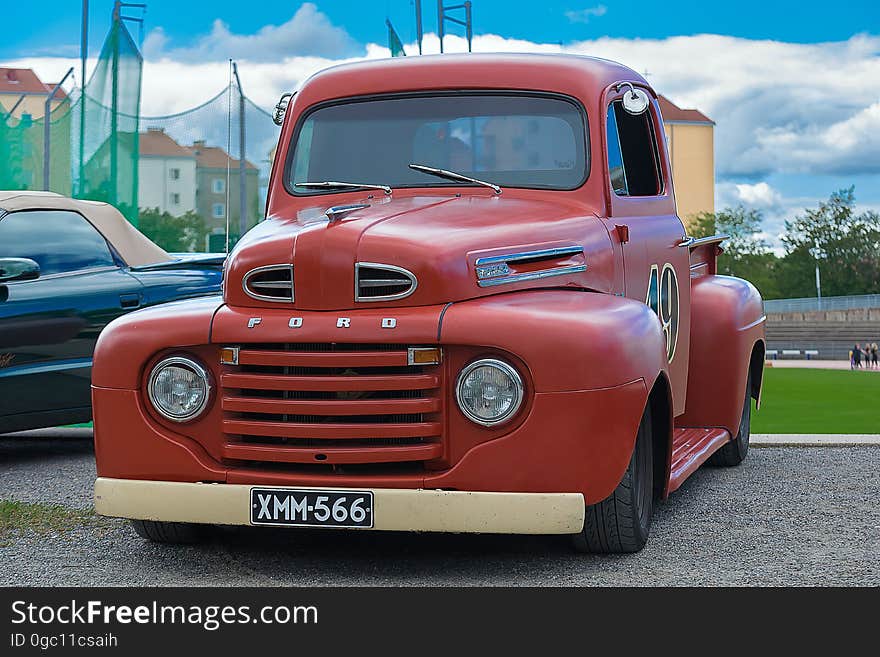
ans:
(513, 140)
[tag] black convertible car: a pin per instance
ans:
(67, 268)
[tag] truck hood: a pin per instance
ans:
(438, 239)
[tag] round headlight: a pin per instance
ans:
(489, 391)
(179, 388)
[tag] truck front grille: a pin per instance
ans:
(335, 404)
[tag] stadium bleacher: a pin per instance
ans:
(827, 334)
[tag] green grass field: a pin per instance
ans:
(818, 401)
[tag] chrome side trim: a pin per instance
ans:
(694, 242)
(46, 368)
(524, 256)
(414, 283)
(531, 276)
(531, 255)
(272, 284)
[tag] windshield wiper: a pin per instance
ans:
(334, 184)
(452, 175)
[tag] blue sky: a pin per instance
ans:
(794, 87)
(54, 28)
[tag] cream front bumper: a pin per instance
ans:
(395, 509)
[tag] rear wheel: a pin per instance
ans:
(168, 532)
(622, 521)
(735, 452)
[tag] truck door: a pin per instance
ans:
(656, 260)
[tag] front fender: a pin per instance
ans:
(128, 342)
(569, 339)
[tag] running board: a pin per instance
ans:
(690, 449)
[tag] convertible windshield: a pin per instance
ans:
(513, 140)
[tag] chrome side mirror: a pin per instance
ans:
(635, 101)
(281, 108)
(18, 269)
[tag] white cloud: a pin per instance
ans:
(584, 15)
(779, 107)
(309, 32)
(760, 196)
(768, 201)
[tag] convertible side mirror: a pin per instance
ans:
(18, 269)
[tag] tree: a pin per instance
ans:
(845, 244)
(175, 234)
(745, 253)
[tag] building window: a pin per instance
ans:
(218, 210)
(174, 174)
(175, 198)
(218, 185)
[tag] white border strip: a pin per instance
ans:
(813, 440)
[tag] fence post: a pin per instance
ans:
(47, 119)
(242, 177)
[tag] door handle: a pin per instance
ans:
(130, 301)
(686, 241)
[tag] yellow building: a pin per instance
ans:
(690, 139)
(20, 88)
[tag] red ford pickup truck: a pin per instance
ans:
(472, 307)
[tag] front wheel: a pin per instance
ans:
(168, 532)
(622, 521)
(735, 452)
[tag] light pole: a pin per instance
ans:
(817, 253)
(467, 23)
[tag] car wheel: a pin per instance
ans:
(735, 452)
(168, 532)
(622, 521)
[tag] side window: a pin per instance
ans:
(633, 157)
(58, 240)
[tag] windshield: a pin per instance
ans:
(512, 140)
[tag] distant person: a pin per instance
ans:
(857, 356)
(874, 355)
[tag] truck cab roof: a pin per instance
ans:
(576, 75)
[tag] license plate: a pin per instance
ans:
(293, 507)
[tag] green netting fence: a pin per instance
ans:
(93, 142)
(176, 176)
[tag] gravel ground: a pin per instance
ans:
(787, 516)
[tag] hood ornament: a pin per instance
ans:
(339, 212)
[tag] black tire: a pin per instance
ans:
(735, 452)
(168, 532)
(622, 521)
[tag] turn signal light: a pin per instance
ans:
(229, 356)
(423, 356)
